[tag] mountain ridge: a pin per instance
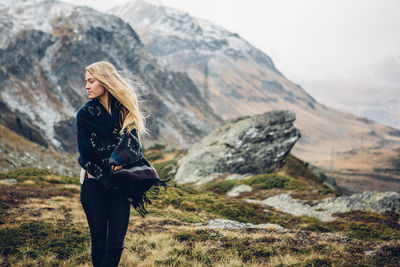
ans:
(45, 48)
(239, 87)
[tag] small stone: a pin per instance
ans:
(237, 176)
(237, 190)
(287, 204)
(369, 252)
(229, 224)
(8, 181)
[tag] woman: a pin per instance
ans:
(111, 115)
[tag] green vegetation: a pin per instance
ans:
(198, 205)
(166, 169)
(39, 176)
(194, 202)
(259, 249)
(297, 168)
(35, 239)
(157, 147)
(167, 236)
(261, 181)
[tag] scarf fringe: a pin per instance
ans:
(140, 207)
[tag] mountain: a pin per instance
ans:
(45, 46)
(18, 153)
(242, 80)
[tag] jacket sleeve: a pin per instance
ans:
(127, 151)
(89, 158)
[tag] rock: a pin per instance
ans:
(371, 200)
(236, 176)
(229, 224)
(251, 144)
(239, 189)
(286, 203)
(324, 209)
(41, 49)
(208, 178)
(8, 181)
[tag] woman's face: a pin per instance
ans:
(93, 87)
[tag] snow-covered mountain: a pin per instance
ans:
(242, 80)
(240, 76)
(44, 48)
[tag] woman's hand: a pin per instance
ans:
(116, 168)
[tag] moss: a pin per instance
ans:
(195, 254)
(63, 241)
(197, 205)
(388, 218)
(357, 230)
(170, 261)
(212, 203)
(166, 169)
(221, 186)
(153, 154)
(327, 190)
(198, 235)
(247, 248)
(324, 249)
(297, 168)
(324, 262)
(371, 231)
(157, 147)
(189, 217)
(25, 174)
(269, 181)
(39, 176)
(261, 181)
(192, 201)
(13, 196)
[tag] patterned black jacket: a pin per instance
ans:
(97, 137)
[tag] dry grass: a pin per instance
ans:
(366, 169)
(167, 238)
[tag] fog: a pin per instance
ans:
(307, 39)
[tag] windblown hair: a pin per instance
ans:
(115, 84)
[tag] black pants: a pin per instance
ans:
(107, 212)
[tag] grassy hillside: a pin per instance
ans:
(42, 224)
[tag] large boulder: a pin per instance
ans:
(251, 144)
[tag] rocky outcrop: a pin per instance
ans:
(372, 200)
(287, 204)
(17, 152)
(229, 224)
(43, 56)
(324, 209)
(257, 144)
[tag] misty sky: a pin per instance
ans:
(306, 39)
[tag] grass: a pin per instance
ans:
(261, 181)
(27, 176)
(197, 205)
(29, 240)
(258, 248)
(169, 237)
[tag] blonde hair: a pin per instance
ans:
(115, 84)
